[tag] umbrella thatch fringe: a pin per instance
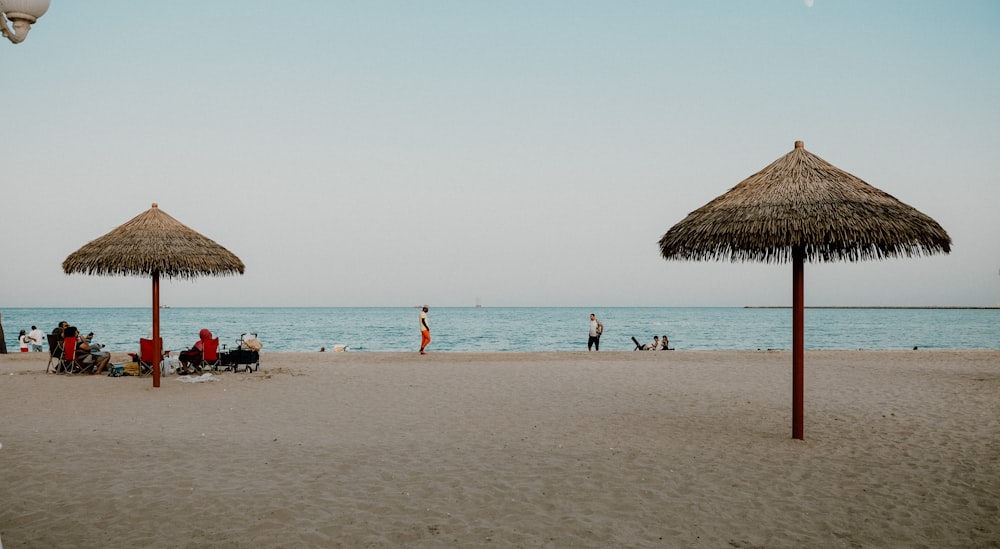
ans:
(801, 200)
(153, 242)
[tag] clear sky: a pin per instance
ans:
(523, 153)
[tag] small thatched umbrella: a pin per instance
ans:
(153, 244)
(802, 207)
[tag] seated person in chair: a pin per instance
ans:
(191, 359)
(96, 351)
(88, 353)
(58, 330)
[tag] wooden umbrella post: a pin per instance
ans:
(798, 338)
(157, 351)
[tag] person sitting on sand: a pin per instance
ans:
(656, 344)
(665, 343)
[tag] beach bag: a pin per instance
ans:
(253, 344)
(131, 368)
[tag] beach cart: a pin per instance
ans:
(246, 354)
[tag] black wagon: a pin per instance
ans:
(245, 355)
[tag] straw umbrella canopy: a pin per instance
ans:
(154, 244)
(801, 207)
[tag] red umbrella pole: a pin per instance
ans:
(798, 338)
(157, 351)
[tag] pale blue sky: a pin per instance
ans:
(390, 153)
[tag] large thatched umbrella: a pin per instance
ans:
(153, 244)
(802, 207)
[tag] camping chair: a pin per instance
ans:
(55, 353)
(147, 356)
(638, 346)
(71, 363)
(210, 355)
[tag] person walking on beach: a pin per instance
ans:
(596, 329)
(22, 340)
(35, 339)
(425, 331)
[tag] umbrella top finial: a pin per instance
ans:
(156, 206)
(798, 145)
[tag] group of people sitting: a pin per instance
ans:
(658, 344)
(89, 355)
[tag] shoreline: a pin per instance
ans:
(580, 307)
(467, 449)
(39, 361)
(537, 329)
(876, 307)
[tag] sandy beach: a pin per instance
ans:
(574, 449)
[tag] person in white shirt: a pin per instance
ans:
(596, 329)
(425, 331)
(35, 339)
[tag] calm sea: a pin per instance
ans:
(526, 329)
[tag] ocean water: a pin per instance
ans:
(525, 328)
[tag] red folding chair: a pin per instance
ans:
(147, 356)
(71, 363)
(210, 354)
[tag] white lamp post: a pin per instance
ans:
(22, 13)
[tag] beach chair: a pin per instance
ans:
(638, 346)
(210, 355)
(55, 354)
(147, 356)
(71, 363)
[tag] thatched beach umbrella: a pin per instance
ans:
(153, 244)
(802, 207)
